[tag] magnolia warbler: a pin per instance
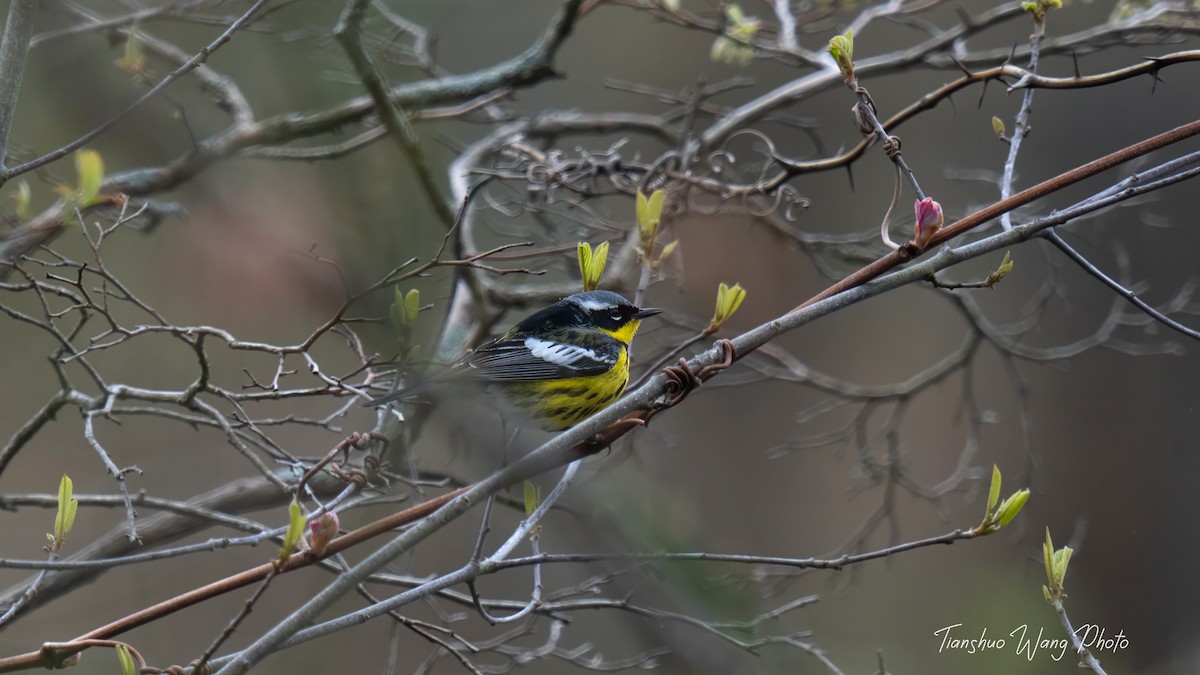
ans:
(559, 365)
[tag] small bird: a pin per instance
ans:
(558, 366)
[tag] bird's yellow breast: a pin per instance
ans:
(559, 404)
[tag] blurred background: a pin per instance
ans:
(1106, 438)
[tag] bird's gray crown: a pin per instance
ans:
(594, 301)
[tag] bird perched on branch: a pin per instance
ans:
(558, 366)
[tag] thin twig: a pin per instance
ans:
(349, 32)
(1078, 258)
(1086, 660)
(1021, 124)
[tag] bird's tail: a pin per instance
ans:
(432, 382)
(407, 392)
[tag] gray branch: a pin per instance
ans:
(14, 47)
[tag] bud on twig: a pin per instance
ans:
(405, 307)
(321, 531)
(1056, 569)
(729, 298)
(649, 215)
(997, 514)
(1000, 272)
(294, 532)
(1038, 8)
(929, 221)
(732, 47)
(841, 48)
(591, 263)
(64, 518)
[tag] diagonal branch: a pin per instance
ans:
(1079, 259)
(349, 32)
(14, 47)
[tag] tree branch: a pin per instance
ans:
(14, 47)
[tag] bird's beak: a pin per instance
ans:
(648, 311)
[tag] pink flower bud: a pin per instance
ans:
(929, 220)
(322, 531)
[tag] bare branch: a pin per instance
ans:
(14, 47)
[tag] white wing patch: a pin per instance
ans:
(566, 355)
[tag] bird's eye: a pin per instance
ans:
(615, 316)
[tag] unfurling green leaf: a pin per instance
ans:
(412, 304)
(727, 50)
(739, 25)
(583, 251)
(1056, 569)
(1039, 8)
(666, 252)
(997, 514)
(1010, 507)
(22, 197)
(998, 127)
(1002, 271)
(841, 48)
(396, 311)
(1048, 556)
(64, 518)
(733, 47)
(533, 497)
(294, 532)
(729, 298)
(1062, 558)
(649, 215)
(404, 310)
(125, 658)
(591, 263)
(993, 491)
(90, 169)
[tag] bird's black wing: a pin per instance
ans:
(523, 359)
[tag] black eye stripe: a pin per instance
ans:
(612, 317)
